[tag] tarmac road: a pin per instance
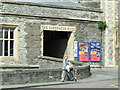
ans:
(94, 84)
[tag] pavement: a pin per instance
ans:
(98, 74)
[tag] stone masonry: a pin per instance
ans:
(110, 9)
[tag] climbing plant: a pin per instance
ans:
(102, 25)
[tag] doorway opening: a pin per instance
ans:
(55, 43)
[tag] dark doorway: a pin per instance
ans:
(55, 43)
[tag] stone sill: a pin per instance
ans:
(51, 6)
(3, 66)
(51, 58)
(60, 60)
(95, 66)
(42, 69)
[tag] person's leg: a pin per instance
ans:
(70, 76)
(63, 75)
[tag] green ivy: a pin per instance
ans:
(102, 25)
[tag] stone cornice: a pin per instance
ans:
(44, 17)
(52, 6)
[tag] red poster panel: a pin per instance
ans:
(95, 56)
(83, 51)
(95, 51)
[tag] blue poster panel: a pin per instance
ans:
(95, 51)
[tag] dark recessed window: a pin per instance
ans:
(55, 43)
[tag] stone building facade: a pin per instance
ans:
(33, 23)
(37, 24)
(34, 37)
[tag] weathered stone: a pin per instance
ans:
(27, 76)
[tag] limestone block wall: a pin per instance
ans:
(88, 32)
(33, 41)
(32, 76)
(50, 11)
(110, 9)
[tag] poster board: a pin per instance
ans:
(95, 51)
(83, 51)
(75, 49)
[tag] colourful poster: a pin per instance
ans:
(95, 52)
(75, 49)
(83, 51)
